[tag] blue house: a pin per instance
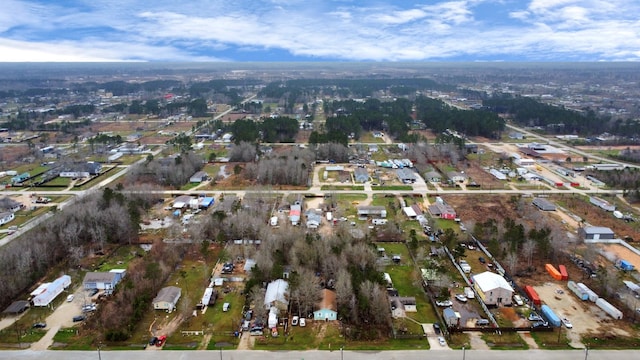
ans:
(327, 308)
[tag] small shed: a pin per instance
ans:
(451, 318)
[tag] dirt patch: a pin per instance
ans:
(596, 216)
(616, 251)
(510, 314)
(585, 316)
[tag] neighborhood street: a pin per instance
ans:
(325, 355)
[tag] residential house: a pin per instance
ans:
(103, 280)
(5, 217)
(227, 203)
(400, 305)
(277, 294)
(442, 210)
(81, 170)
(198, 177)
(167, 298)
(327, 309)
(457, 177)
(372, 211)
(361, 175)
(182, 201)
(493, 289)
(406, 176)
(433, 177)
(596, 233)
(314, 218)
(294, 213)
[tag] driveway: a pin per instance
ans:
(432, 337)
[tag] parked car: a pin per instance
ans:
(225, 307)
(161, 340)
(294, 321)
(442, 341)
(89, 307)
(461, 297)
(153, 340)
(534, 317)
(39, 325)
(93, 292)
(78, 318)
(567, 323)
(482, 260)
(248, 315)
(303, 322)
(70, 298)
(518, 300)
(482, 322)
(539, 324)
(444, 303)
(436, 328)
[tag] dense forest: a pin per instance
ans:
(529, 112)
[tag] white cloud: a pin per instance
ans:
(349, 30)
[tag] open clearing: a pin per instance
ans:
(620, 252)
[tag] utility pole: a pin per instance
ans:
(463, 353)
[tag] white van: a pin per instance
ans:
(225, 307)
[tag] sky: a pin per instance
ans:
(319, 30)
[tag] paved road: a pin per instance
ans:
(324, 355)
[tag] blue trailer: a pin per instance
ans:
(551, 317)
(624, 265)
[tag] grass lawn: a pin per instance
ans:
(611, 342)
(59, 181)
(392, 188)
(17, 334)
(505, 341)
(120, 258)
(406, 279)
(23, 216)
(550, 340)
(68, 339)
(342, 187)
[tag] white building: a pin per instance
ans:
(493, 289)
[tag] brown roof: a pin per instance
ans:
(328, 300)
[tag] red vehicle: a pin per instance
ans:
(533, 295)
(161, 340)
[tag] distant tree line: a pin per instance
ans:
(270, 130)
(439, 116)
(526, 111)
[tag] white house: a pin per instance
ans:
(5, 217)
(198, 177)
(167, 298)
(276, 294)
(493, 289)
(327, 308)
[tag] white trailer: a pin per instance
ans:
(54, 289)
(609, 309)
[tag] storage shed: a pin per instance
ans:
(596, 233)
(544, 204)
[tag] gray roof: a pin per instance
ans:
(597, 230)
(544, 204)
(170, 294)
(99, 277)
(406, 174)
